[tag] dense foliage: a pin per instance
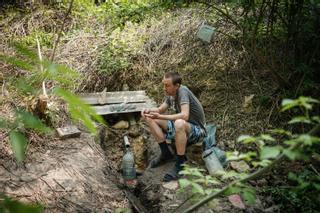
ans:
(280, 38)
(305, 184)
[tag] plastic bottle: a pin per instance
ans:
(211, 161)
(128, 164)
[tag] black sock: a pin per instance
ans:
(180, 160)
(165, 150)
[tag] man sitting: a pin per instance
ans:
(186, 127)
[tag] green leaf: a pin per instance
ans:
(281, 132)
(230, 174)
(307, 102)
(316, 119)
(260, 143)
(291, 142)
(61, 73)
(19, 207)
(312, 100)
(32, 122)
(197, 173)
(308, 140)
(192, 171)
(267, 137)
(207, 180)
(269, 152)
(16, 62)
(235, 156)
(249, 196)
(300, 119)
(262, 163)
(183, 183)
(23, 50)
(288, 104)
(247, 156)
(18, 145)
(293, 154)
(196, 188)
(80, 110)
(246, 139)
(77, 113)
(211, 180)
(232, 190)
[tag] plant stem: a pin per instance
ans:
(41, 68)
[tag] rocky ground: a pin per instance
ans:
(151, 192)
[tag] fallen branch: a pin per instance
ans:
(135, 202)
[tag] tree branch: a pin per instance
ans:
(223, 13)
(60, 31)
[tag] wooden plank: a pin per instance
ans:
(115, 100)
(122, 108)
(115, 97)
(116, 93)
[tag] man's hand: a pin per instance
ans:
(144, 112)
(153, 115)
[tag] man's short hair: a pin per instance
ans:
(175, 76)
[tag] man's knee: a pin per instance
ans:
(148, 120)
(151, 122)
(180, 125)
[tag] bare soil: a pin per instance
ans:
(69, 175)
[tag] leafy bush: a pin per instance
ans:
(40, 70)
(123, 46)
(121, 12)
(45, 38)
(295, 147)
(114, 58)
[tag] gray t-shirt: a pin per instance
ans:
(185, 96)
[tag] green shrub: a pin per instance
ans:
(304, 191)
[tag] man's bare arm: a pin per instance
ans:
(161, 109)
(184, 114)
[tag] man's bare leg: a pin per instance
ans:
(183, 129)
(157, 127)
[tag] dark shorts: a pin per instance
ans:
(197, 134)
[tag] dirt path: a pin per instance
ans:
(71, 175)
